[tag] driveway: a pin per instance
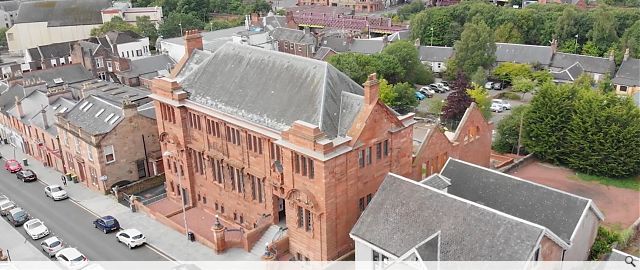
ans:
(621, 207)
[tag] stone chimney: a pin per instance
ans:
(612, 55)
(371, 89)
(626, 55)
(554, 45)
(192, 41)
(19, 107)
(129, 108)
(45, 121)
(416, 42)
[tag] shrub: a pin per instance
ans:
(511, 96)
(603, 243)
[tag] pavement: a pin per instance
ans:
(14, 243)
(621, 207)
(164, 242)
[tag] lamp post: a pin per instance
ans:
(576, 48)
(180, 24)
(184, 211)
(431, 36)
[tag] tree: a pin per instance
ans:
(355, 65)
(523, 85)
(508, 131)
(223, 24)
(147, 29)
(605, 85)
(424, 75)
(603, 33)
(509, 71)
(115, 24)
(405, 98)
(172, 26)
(479, 77)
(569, 46)
(508, 33)
(546, 123)
(406, 11)
(476, 48)
(458, 101)
(3, 37)
(389, 67)
(541, 77)
(631, 40)
(407, 55)
(591, 49)
(566, 25)
(197, 8)
(481, 97)
(387, 95)
(259, 6)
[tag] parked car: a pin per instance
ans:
(5, 207)
(107, 224)
(3, 198)
(495, 107)
(488, 85)
(13, 166)
(437, 89)
(441, 85)
(427, 92)
(17, 216)
(71, 258)
(497, 86)
(51, 245)
(445, 83)
(26, 175)
(505, 105)
(131, 238)
(420, 96)
(55, 192)
(36, 229)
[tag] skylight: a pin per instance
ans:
(109, 117)
(83, 105)
(63, 110)
(114, 120)
(87, 107)
(99, 112)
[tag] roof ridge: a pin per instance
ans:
(582, 55)
(518, 44)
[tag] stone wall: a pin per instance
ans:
(142, 185)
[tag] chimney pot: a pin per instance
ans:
(371, 89)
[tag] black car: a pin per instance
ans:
(26, 175)
(17, 216)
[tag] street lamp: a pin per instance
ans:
(431, 36)
(576, 49)
(180, 24)
(182, 192)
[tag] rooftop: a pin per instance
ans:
(147, 65)
(521, 53)
(628, 73)
(590, 64)
(435, 53)
(62, 12)
(67, 74)
(55, 50)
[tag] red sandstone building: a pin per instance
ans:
(263, 138)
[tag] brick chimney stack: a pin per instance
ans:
(129, 108)
(19, 107)
(371, 89)
(192, 40)
(45, 121)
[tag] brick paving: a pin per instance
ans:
(620, 206)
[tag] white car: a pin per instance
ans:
(36, 229)
(55, 192)
(505, 105)
(488, 85)
(71, 258)
(51, 245)
(441, 85)
(5, 207)
(495, 107)
(131, 237)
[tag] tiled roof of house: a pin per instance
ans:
(60, 105)
(569, 74)
(8, 96)
(31, 105)
(257, 85)
(147, 110)
(436, 181)
(367, 46)
(68, 73)
(404, 213)
(55, 50)
(114, 92)
(62, 12)
(556, 210)
(95, 115)
(208, 37)
(435, 53)
(292, 35)
(590, 64)
(521, 53)
(322, 52)
(628, 73)
(151, 64)
(117, 37)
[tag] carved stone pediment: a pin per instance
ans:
(302, 197)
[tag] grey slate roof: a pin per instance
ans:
(404, 213)
(60, 105)
(151, 64)
(10, 5)
(520, 53)
(62, 12)
(208, 37)
(322, 52)
(117, 37)
(8, 96)
(55, 50)
(270, 88)
(272, 22)
(336, 43)
(31, 105)
(590, 64)
(68, 73)
(114, 92)
(436, 181)
(435, 53)
(553, 209)
(292, 35)
(569, 74)
(628, 73)
(88, 121)
(147, 110)
(367, 46)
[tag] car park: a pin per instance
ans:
(505, 105)
(420, 96)
(5, 207)
(107, 224)
(131, 238)
(26, 175)
(427, 92)
(496, 108)
(13, 166)
(51, 245)
(36, 229)
(17, 216)
(55, 192)
(71, 258)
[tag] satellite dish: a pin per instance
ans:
(278, 165)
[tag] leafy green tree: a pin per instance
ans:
(407, 11)
(509, 71)
(479, 77)
(541, 77)
(222, 24)
(508, 33)
(197, 8)
(605, 85)
(389, 67)
(423, 75)
(523, 85)
(147, 29)
(591, 49)
(259, 6)
(508, 131)
(569, 46)
(168, 6)
(115, 24)
(603, 33)
(546, 123)
(481, 97)
(631, 40)
(566, 26)
(171, 27)
(445, 29)
(402, 97)
(355, 65)
(387, 95)
(3, 37)
(476, 48)
(407, 55)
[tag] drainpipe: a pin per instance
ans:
(146, 158)
(64, 167)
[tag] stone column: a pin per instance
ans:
(218, 236)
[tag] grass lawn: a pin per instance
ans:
(632, 183)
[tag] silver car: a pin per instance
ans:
(51, 245)
(55, 192)
(6, 206)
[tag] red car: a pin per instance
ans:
(12, 166)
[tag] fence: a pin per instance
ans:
(148, 201)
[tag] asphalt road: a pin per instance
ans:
(70, 222)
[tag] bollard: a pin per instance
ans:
(25, 162)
